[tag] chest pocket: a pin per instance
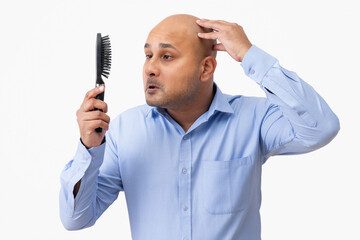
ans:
(228, 186)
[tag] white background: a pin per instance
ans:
(47, 62)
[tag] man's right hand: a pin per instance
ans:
(89, 120)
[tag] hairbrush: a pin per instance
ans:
(103, 64)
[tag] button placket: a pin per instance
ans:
(185, 186)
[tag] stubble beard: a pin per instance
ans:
(178, 100)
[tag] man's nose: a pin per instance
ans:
(152, 68)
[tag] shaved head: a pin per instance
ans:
(184, 27)
(179, 66)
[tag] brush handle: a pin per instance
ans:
(100, 97)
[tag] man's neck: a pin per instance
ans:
(187, 115)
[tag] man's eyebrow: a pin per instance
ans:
(166, 45)
(161, 45)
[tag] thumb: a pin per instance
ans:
(219, 47)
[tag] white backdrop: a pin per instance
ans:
(47, 62)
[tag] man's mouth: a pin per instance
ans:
(152, 88)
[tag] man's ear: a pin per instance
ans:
(208, 66)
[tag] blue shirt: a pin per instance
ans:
(204, 183)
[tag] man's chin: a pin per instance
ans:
(153, 103)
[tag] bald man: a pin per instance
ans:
(189, 161)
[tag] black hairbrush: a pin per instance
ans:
(103, 64)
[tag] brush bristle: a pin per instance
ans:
(105, 56)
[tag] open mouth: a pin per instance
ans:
(152, 88)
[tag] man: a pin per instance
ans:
(189, 162)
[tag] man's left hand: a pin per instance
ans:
(231, 36)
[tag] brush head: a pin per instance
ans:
(103, 56)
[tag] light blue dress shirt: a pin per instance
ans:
(203, 184)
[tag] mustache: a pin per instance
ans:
(154, 82)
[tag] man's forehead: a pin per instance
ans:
(174, 37)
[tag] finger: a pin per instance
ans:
(94, 115)
(214, 24)
(98, 123)
(94, 92)
(93, 103)
(210, 35)
(219, 47)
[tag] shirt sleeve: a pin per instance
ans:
(100, 184)
(297, 119)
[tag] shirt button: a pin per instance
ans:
(186, 238)
(252, 71)
(184, 170)
(185, 208)
(185, 137)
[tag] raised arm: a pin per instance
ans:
(91, 181)
(298, 119)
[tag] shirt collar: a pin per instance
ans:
(219, 103)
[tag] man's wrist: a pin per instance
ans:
(257, 63)
(244, 51)
(103, 141)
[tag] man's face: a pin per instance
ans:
(171, 69)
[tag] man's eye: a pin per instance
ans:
(148, 56)
(167, 57)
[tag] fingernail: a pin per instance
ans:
(101, 88)
(198, 20)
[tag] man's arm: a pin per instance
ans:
(298, 120)
(91, 181)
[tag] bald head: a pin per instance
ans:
(183, 28)
(179, 65)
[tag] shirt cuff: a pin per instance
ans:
(256, 63)
(89, 158)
